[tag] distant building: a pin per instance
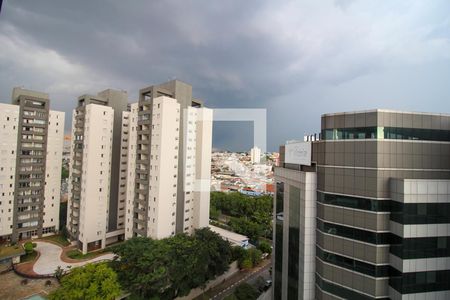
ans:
(255, 155)
(234, 238)
(31, 147)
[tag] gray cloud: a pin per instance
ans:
(298, 59)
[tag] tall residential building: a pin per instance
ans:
(382, 209)
(255, 155)
(170, 161)
(31, 142)
(97, 180)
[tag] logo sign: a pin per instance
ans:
(298, 153)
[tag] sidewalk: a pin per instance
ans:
(50, 259)
(50, 256)
(233, 281)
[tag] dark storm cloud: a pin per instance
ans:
(298, 59)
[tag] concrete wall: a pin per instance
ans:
(55, 140)
(9, 122)
(131, 172)
(96, 171)
(164, 168)
(203, 167)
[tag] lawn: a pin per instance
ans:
(76, 254)
(57, 238)
(11, 251)
(29, 257)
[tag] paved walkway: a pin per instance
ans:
(227, 288)
(50, 259)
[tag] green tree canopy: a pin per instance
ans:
(265, 247)
(250, 215)
(246, 292)
(171, 267)
(93, 281)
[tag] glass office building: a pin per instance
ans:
(382, 207)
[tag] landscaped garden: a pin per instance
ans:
(58, 239)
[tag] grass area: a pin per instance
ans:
(11, 251)
(76, 254)
(29, 257)
(57, 238)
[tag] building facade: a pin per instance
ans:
(171, 138)
(140, 169)
(255, 155)
(96, 205)
(295, 239)
(382, 212)
(30, 170)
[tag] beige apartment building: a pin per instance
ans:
(95, 215)
(31, 142)
(170, 161)
(141, 169)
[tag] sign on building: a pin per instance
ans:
(298, 153)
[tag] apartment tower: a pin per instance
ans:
(97, 180)
(169, 162)
(31, 141)
(255, 155)
(382, 208)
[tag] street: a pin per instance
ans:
(227, 288)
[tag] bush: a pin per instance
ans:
(88, 282)
(28, 246)
(34, 245)
(246, 264)
(237, 253)
(265, 247)
(246, 292)
(255, 256)
(171, 267)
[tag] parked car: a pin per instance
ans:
(267, 285)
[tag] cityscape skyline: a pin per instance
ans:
(228, 150)
(395, 54)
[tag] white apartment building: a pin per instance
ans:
(255, 155)
(162, 166)
(9, 128)
(130, 190)
(97, 181)
(169, 178)
(30, 167)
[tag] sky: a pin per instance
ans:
(297, 59)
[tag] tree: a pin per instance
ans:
(171, 267)
(246, 227)
(215, 250)
(255, 255)
(246, 264)
(64, 173)
(28, 246)
(59, 272)
(93, 281)
(214, 213)
(142, 267)
(251, 216)
(265, 247)
(62, 215)
(246, 292)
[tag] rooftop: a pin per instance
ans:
(230, 236)
(383, 111)
(11, 251)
